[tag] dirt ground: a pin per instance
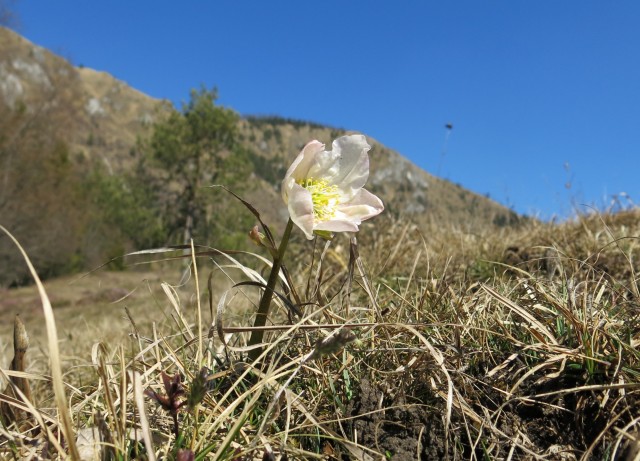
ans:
(407, 428)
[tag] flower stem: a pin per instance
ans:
(267, 296)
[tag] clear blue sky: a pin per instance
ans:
(541, 94)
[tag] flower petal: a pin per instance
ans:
(301, 208)
(363, 205)
(299, 169)
(354, 161)
(346, 166)
(337, 225)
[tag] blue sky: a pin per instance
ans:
(541, 94)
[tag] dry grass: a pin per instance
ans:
(431, 344)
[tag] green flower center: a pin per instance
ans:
(325, 197)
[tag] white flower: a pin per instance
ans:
(324, 189)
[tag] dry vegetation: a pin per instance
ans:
(512, 345)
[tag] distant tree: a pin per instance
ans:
(40, 198)
(40, 205)
(122, 216)
(194, 148)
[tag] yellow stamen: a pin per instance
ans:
(325, 197)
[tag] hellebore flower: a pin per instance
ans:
(324, 189)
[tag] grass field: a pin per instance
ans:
(430, 343)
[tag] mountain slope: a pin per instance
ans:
(405, 189)
(60, 122)
(96, 114)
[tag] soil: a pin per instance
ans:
(402, 432)
(561, 428)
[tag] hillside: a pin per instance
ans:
(61, 120)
